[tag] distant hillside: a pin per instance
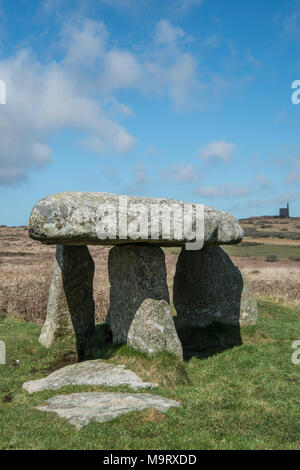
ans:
(271, 227)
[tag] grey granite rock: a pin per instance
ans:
(82, 218)
(96, 372)
(58, 321)
(136, 273)
(81, 408)
(152, 329)
(70, 304)
(208, 288)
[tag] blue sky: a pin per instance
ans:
(185, 99)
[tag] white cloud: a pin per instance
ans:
(151, 151)
(252, 60)
(115, 108)
(46, 98)
(291, 23)
(180, 173)
(162, 67)
(189, 4)
(294, 173)
(223, 191)
(48, 6)
(84, 42)
(183, 82)
(165, 33)
(221, 150)
(139, 6)
(264, 183)
(77, 92)
(121, 70)
(284, 198)
(293, 176)
(211, 41)
(175, 77)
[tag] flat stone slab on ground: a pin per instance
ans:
(81, 408)
(95, 372)
(82, 218)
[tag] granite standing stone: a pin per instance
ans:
(208, 288)
(152, 329)
(136, 273)
(70, 304)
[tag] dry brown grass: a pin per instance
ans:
(26, 273)
(25, 299)
(101, 299)
(28, 300)
(285, 291)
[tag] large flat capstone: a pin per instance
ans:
(96, 372)
(81, 408)
(84, 218)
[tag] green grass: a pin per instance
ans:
(233, 395)
(262, 251)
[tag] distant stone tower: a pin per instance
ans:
(285, 211)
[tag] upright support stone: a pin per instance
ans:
(70, 304)
(208, 288)
(137, 273)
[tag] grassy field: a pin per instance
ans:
(261, 251)
(281, 251)
(233, 395)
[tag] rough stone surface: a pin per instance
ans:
(136, 273)
(70, 304)
(152, 330)
(94, 372)
(77, 218)
(208, 288)
(81, 408)
(58, 321)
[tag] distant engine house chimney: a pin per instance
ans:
(285, 211)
